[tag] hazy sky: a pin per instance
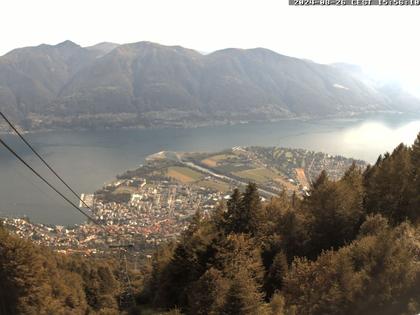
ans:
(382, 38)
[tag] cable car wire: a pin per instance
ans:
(43, 160)
(49, 184)
(122, 257)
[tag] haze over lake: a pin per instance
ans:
(87, 159)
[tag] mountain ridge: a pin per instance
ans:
(148, 84)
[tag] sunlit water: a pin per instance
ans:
(88, 159)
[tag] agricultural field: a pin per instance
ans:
(220, 159)
(214, 160)
(259, 175)
(184, 174)
(272, 168)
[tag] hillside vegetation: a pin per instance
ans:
(34, 280)
(351, 247)
(146, 84)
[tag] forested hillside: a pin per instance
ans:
(34, 280)
(351, 247)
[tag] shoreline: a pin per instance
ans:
(345, 116)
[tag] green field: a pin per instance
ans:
(184, 174)
(212, 161)
(259, 175)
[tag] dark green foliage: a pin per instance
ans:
(373, 225)
(415, 175)
(208, 294)
(209, 257)
(253, 212)
(392, 185)
(34, 280)
(234, 215)
(161, 259)
(293, 228)
(22, 280)
(243, 296)
(377, 274)
(344, 249)
(335, 211)
(236, 253)
(186, 265)
(245, 213)
(275, 274)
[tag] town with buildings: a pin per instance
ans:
(155, 212)
(152, 204)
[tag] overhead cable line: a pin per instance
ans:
(50, 185)
(52, 170)
(43, 160)
(127, 294)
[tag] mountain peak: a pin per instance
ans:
(147, 46)
(67, 44)
(257, 51)
(152, 80)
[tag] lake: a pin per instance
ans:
(88, 159)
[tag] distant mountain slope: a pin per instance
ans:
(149, 84)
(104, 47)
(392, 91)
(32, 78)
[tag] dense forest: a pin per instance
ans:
(35, 280)
(351, 246)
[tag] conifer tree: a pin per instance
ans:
(293, 229)
(245, 213)
(389, 186)
(238, 252)
(415, 195)
(415, 149)
(339, 250)
(243, 296)
(187, 264)
(219, 219)
(274, 278)
(335, 211)
(234, 212)
(322, 179)
(34, 280)
(161, 259)
(277, 305)
(253, 216)
(23, 284)
(208, 294)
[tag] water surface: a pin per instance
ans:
(87, 159)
